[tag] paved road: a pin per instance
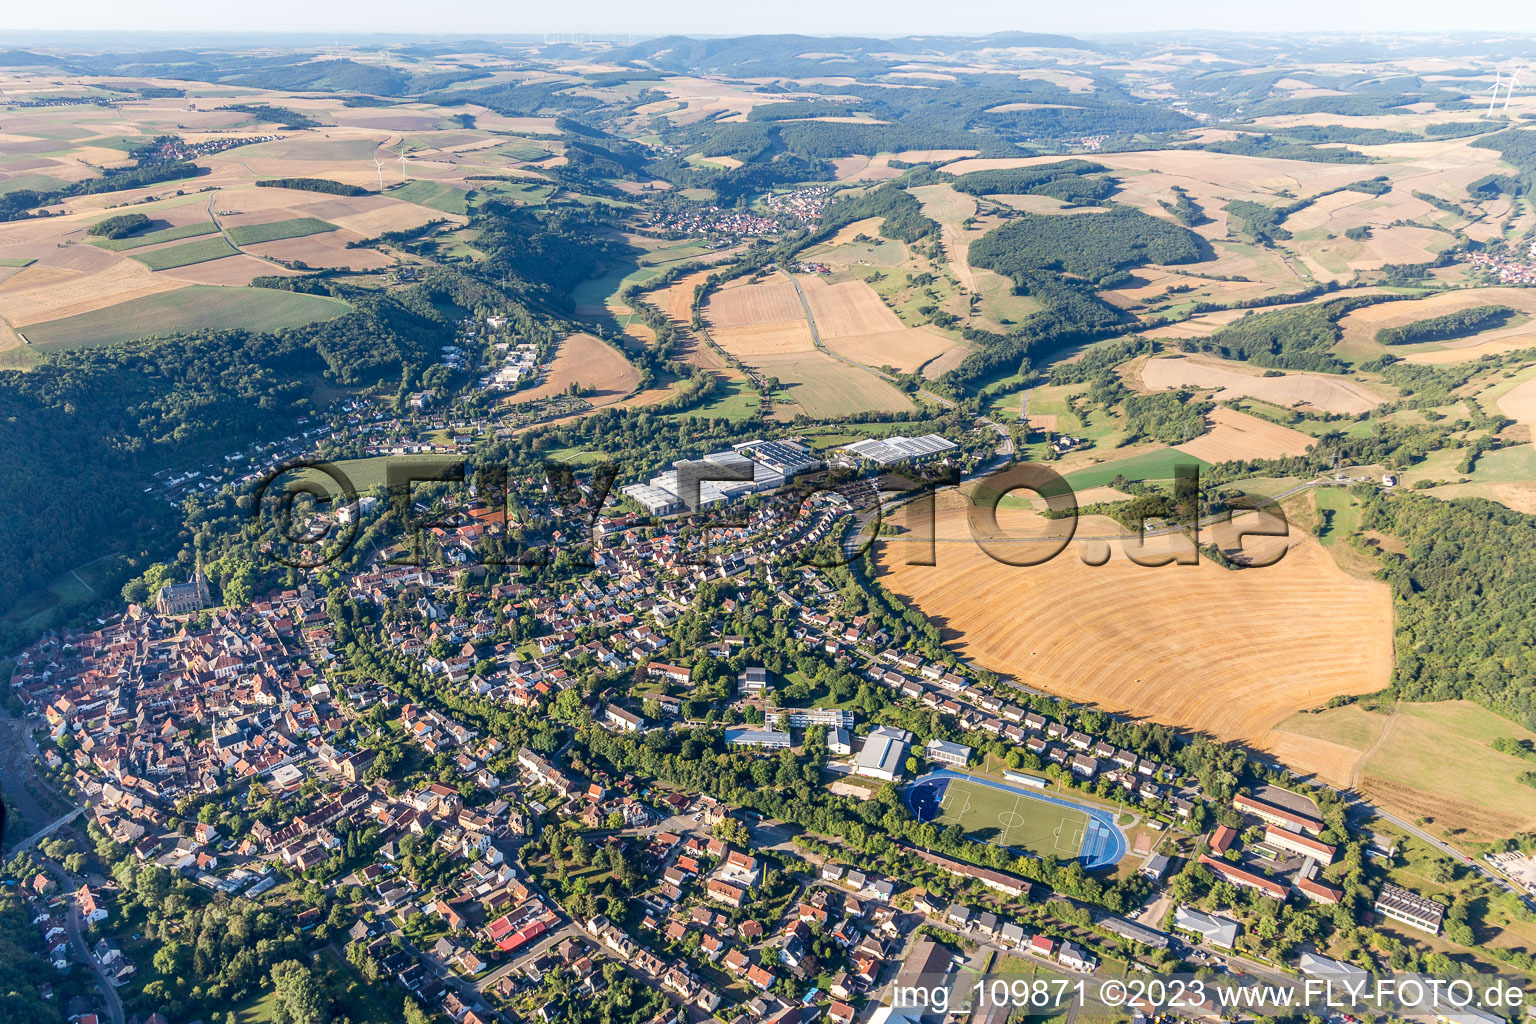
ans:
(1356, 801)
(75, 925)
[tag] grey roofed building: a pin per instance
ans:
(1135, 932)
(1012, 933)
(658, 501)
(1410, 908)
(769, 738)
(892, 450)
(1218, 931)
(883, 752)
(1327, 967)
(945, 752)
(1156, 866)
(786, 458)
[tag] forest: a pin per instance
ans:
(1300, 338)
(1091, 246)
(105, 419)
(903, 215)
(335, 188)
(1066, 181)
(1460, 324)
(120, 226)
(1462, 593)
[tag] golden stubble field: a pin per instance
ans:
(1405, 228)
(855, 322)
(1361, 325)
(763, 324)
(591, 363)
(1229, 653)
(1433, 761)
(1236, 436)
(1327, 393)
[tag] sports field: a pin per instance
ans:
(1018, 818)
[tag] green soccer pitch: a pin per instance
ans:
(1011, 819)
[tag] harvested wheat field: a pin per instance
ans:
(1238, 436)
(744, 305)
(1360, 326)
(676, 300)
(865, 168)
(855, 322)
(759, 341)
(1229, 653)
(1447, 355)
(1330, 394)
(761, 320)
(40, 293)
(372, 215)
(322, 250)
(1519, 403)
(231, 270)
(604, 375)
(1329, 744)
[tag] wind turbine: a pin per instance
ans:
(1514, 80)
(1498, 78)
(379, 165)
(402, 165)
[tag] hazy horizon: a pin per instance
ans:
(695, 17)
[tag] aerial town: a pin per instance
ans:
(886, 526)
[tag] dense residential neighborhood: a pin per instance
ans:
(469, 785)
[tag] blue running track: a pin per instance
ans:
(1103, 842)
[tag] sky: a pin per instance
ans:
(735, 17)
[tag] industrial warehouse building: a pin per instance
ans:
(893, 451)
(721, 477)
